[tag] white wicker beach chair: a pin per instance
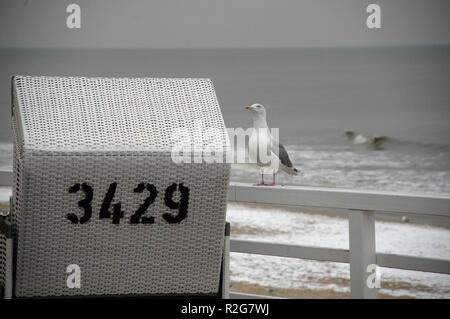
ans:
(95, 186)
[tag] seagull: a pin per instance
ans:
(261, 135)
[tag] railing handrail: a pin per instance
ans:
(339, 198)
(338, 255)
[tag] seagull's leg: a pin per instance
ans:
(262, 178)
(273, 180)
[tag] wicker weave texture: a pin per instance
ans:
(101, 131)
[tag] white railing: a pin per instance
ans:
(361, 208)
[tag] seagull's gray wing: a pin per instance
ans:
(284, 156)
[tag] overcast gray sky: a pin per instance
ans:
(222, 24)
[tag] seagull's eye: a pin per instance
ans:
(258, 106)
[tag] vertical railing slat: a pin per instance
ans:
(362, 252)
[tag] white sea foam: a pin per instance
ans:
(5, 193)
(423, 169)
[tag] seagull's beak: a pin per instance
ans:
(248, 107)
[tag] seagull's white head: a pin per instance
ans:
(257, 109)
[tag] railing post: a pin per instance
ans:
(226, 264)
(362, 252)
(6, 232)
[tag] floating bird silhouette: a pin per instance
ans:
(261, 136)
(363, 139)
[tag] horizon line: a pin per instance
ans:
(229, 48)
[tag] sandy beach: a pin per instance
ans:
(297, 293)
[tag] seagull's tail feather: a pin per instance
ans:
(289, 170)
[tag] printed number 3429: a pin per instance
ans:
(138, 217)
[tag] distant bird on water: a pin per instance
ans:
(363, 139)
(261, 135)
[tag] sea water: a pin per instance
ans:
(312, 95)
